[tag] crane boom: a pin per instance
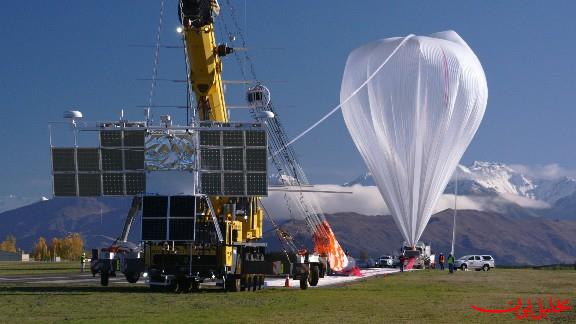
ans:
(203, 55)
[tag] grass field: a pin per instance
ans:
(33, 268)
(419, 297)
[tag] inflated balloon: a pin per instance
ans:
(412, 105)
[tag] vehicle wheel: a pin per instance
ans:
(104, 279)
(463, 267)
(243, 283)
(132, 277)
(260, 282)
(255, 282)
(304, 281)
(248, 285)
(314, 276)
(233, 284)
(485, 267)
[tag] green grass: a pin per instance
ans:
(419, 297)
(37, 268)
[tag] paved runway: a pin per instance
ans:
(87, 279)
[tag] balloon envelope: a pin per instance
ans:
(412, 105)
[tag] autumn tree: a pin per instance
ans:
(9, 244)
(40, 250)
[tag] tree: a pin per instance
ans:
(9, 244)
(40, 250)
(364, 255)
(72, 246)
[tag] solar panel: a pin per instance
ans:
(211, 183)
(64, 185)
(88, 159)
(257, 184)
(112, 160)
(113, 184)
(210, 138)
(234, 159)
(210, 159)
(233, 138)
(181, 229)
(153, 229)
(256, 138)
(256, 159)
(134, 138)
(135, 183)
(110, 138)
(89, 185)
(134, 159)
(182, 206)
(63, 159)
(234, 184)
(155, 206)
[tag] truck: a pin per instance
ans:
(205, 229)
(420, 252)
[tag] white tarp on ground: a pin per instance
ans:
(412, 105)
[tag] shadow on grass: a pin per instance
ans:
(67, 290)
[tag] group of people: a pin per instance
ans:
(451, 261)
(441, 260)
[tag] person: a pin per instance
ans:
(451, 263)
(441, 261)
(432, 261)
(82, 262)
(402, 259)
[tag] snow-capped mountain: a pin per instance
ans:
(12, 202)
(488, 178)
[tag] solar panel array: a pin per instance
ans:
(116, 168)
(168, 218)
(233, 162)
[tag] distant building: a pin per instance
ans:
(14, 256)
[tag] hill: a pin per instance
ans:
(511, 240)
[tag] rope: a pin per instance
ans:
(349, 97)
(156, 55)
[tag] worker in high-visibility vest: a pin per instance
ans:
(82, 262)
(451, 263)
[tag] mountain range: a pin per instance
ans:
(518, 218)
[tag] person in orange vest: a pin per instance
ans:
(441, 261)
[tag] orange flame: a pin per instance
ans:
(325, 243)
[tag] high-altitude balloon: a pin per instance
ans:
(412, 105)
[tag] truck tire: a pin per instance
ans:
(314, 276)
(132, 277)
(485, 267)
(304, 281)
(233, 284)
(463, 267)
(104, 278)
(248, 283)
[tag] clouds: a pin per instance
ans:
(365, 200)
(547, 172)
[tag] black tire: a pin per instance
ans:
(314, 276)
(304, 281)
(485, 267)
(104, 279)
(463, 267)
(233, 284)
(132, 277)
(249, 283)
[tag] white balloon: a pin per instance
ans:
(412, 105)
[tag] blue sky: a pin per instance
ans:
(62, 54)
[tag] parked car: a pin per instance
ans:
(476, 262)
(363, 264)
(388, 261)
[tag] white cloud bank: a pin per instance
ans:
(364, 200)
(550, 171)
